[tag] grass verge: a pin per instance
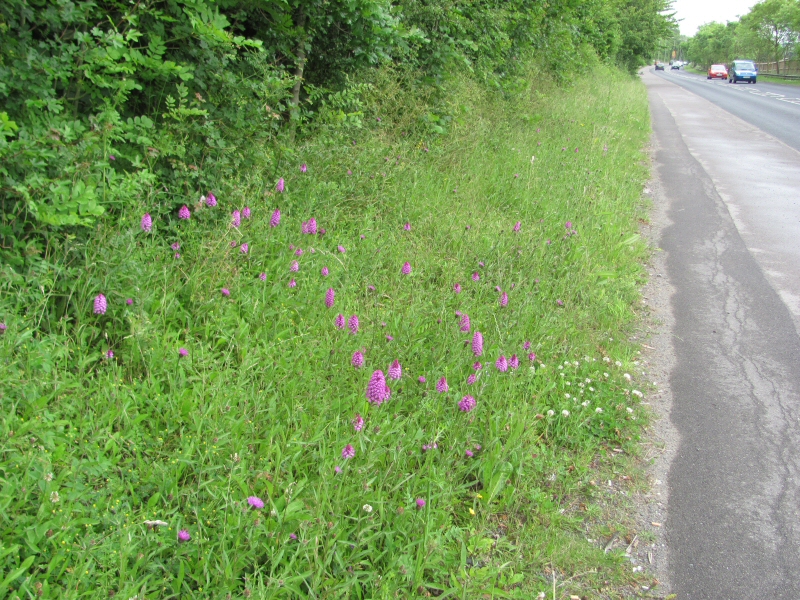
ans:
(217, 396)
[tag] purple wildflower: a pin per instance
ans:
(377, 390)
(395, 370)
(422, 379)
(298, 252)
(339, 321)
(371, 288)
(349, 172)
(303, 168)
(292, 283)
(100, 304)
(295, 266)
(477, 366)
(263, 277)
(472, 379)
(244, 248)
(476, 276)
(337, 469)
(129, 301)
(183, 352)
(389, 338)
(147, 223)
(236, 219)
(465, 324)
(407, 226)
(226, 292)
(518, 226)
(348, 452)
(358, 359)
(532, 356)
(469, 453)
(514, 362)
(276, 218)
(560, 302)
(457, 288)
(501, 364)
(211, 200)
(234, 243)
(420, 503)
(310, 226)
(526, 345)
(466, 404)
(341, 249)
(177, 255)
(176, 246)
(406, 270)
(352, 323)
(255, 502)
(330, 296)
(358, 422)
(568, 224)
(183, 535)
(109, 355)
(246, 212)
(325, 271)
(441, 386)
(112, 157)
(477, 343)
(504, 299)
(184, 213)
(480, 264)
(281, 185)
(292, 536)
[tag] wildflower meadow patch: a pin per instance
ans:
(383, 368)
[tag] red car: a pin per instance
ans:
(715, 71)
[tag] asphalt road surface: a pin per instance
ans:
(727, 165)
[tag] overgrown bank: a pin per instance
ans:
(217, 369)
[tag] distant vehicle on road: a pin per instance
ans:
(743, 70)
(717, 71)
(676, 65)
(660, 66)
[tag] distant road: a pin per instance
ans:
(772, 107)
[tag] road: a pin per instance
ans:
(727, 164)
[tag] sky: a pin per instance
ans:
(696, 12)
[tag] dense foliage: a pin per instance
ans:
(769, 32)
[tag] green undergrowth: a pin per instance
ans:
(436, 502)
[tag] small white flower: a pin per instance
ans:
(598, 410)
(567, 396)
(629, 409)
(605, 374)
(542, 365)
(367, 508)
(565, 412)
(606, 359)
(48, 477)
(551, 412)
(588, 380)
(580, 384)
(576, 363)
(54, 497)
(568, 383)
(591, 389)
(585, 403)
(637, 393)
(560, 367)
(627, 376)
(619, 364)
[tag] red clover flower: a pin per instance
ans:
(476, 276)
(526, 345)
(246, 212)
(147, 223)
(501, 364)
(348, 452)
(407, 226)
(292, 283)
(295, 267)
(330, 296)
(303, 168)
(471, 379)
(255, 502)
(358, 359)
(226, 292)
(211, 200)
(518, 226)
(263, 277)
(325, 271)
(358, 422)
(422, 379)
(420, 503)
(477, 366)
(514, 362)
(441, 386)
(244, 248)
(183, 352)
(504, 299)
(339, 321)
(465, 324)
(236, 219)
(281, 185)
(457, 288)
(352, 323)
(395, 370)
(342, 249)
(183, 535)
(184, 213)
(406, 270)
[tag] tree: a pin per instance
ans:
(772, 21)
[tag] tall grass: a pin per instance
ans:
(436, 501)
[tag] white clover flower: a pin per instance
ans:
(619, 364)
(637, 393)
(585, 403)
(565, 412)
(367, 508)
(576, 363)
(598, 410)
(588, 380)
(551, 412)
(560, 367)
(48, 477)
(580, 384)
(567, 383)
(567, 396)
(627, 376)
(591, 389)
(605, 375)
(54, 497)
(606, 359)
(561, 373)
(629, 409)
